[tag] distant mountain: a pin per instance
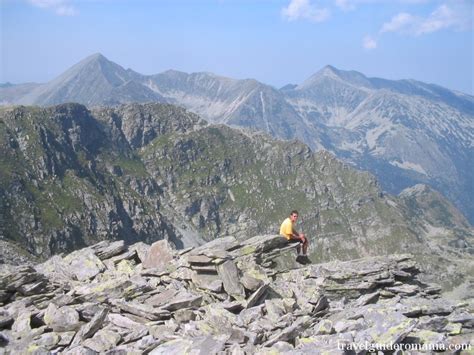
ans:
(405, 132)
(93, 81)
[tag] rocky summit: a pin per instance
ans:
(224, 297)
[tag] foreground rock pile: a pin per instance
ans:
(227, 296)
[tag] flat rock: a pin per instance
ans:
(224, 244)
(162, 298)
(207, 282)
(199, 259)
(182, 300)
(103, 340)
(84, 264)
(124, 322)
(105, 249)
(387, 327)
(159, 255)
(260, 244)
(143, 310)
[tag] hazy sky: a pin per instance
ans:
(274, 41)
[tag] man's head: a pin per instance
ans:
(294, 216)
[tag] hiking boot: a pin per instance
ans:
(303, 259)
(300, 259)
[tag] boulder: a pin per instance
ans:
(84, 264)
(61, 319)
(159, 255)
(229, 274)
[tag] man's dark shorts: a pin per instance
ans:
(293, 241)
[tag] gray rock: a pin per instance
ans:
(224, 243)
(61, 319)
(408, 290)
(324, 327)
(103, 340)
(66, 338)
(229, 274)
(141, 249)
(183, 300)
(275, 308)
(208, 282)
(162, 297)
(368, 298)
(463, 317)
(250, 283)
(143, 310)
(387, 327)
(159, 255)
(260, 244)
(124, 322)
(177, 346)
(184, 315)
(291, 332)
(56, 268)
(80, 350)
(84, 264)
(89, 329)
(257, 296)
(47, 340)
(105, 250)
(350, 325)
(22, 323)
(199, 259)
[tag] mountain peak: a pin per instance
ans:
(94, 58)
(351, 77)
(329, 69)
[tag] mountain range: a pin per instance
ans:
(72, 176)
(405, 132)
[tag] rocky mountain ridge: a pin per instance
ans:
(224, 297)
(405, 132)
(72, 177)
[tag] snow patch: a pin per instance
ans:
(152, 86)
(264, 116)
(409, 166)
(351, 146)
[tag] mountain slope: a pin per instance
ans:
(405, 132)
(71, 177)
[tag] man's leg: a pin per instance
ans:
(298, 249)
(305, 245)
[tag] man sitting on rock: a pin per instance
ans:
(288, 231)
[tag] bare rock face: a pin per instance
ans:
(226, 297)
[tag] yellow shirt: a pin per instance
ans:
(286, 228)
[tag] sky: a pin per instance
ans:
(274, 41)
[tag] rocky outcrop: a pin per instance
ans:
(223, 297)
(73, 177)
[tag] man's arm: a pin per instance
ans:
(296, 235)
